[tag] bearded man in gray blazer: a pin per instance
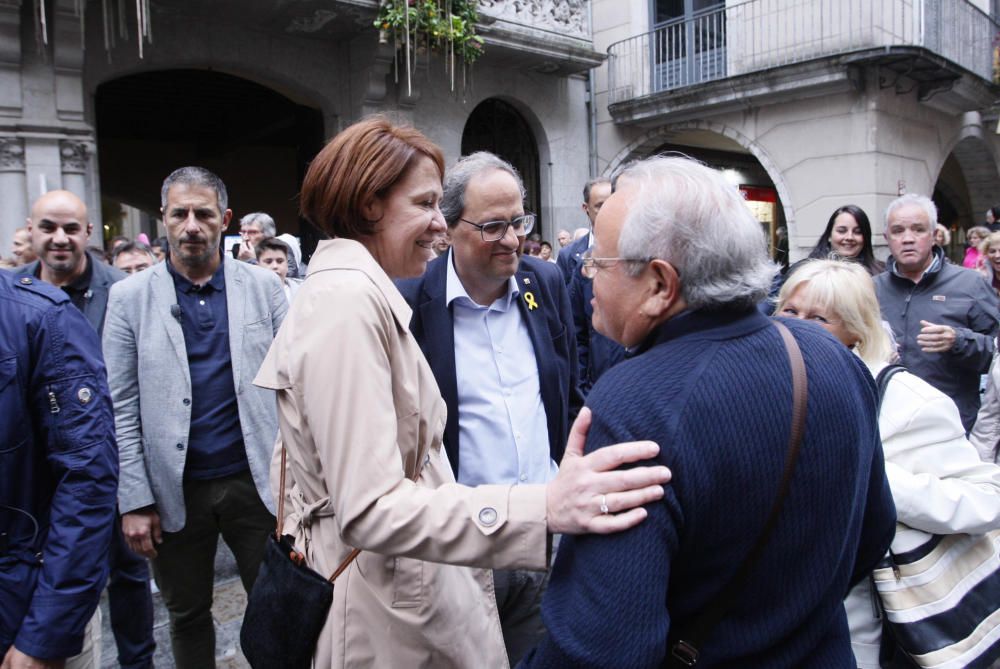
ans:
(183, 341)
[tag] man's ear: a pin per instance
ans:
(664, 296)
(227, 217)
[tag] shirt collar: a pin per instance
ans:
(216, 283)
(720, 323)
(937, 261)
(81, 283)
(454, 290)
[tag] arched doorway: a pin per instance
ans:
(968, 184)
(257, 140)
(496, 126)
(745, 172)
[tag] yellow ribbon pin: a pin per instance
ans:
(529, 299)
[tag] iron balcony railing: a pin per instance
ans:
(756, 35)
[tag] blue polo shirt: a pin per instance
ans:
(215, 441)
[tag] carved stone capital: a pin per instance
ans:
(11, 154)
(75, 156)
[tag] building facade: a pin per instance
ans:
(809, 104)
(104, 98)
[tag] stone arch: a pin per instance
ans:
(530, 158)
(256, 138)
(640, 148)
(977, 160)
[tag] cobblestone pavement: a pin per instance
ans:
(227, 611)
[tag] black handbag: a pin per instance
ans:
(289, 603)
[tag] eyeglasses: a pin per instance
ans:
(589, 264)
(495, 230)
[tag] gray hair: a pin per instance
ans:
(912, 199)
(195, 176)
(687, 214)
(265, 222)
(461, 173)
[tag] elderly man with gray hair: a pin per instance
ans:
(709, 378)
(943, 316)
(253, 228)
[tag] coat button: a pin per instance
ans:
(187, 402)
(488, 516)
(180, 447)
(26, 281)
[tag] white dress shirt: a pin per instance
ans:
(502, 426)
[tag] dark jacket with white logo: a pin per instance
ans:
(945, 295)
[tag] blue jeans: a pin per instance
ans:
(130, 604)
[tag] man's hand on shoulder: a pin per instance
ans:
(15, 659)
(142, 531)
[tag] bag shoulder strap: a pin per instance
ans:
(686, 650)
(882, 382)
(281, 512)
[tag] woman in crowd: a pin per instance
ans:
(974, 256)
(938, 482)
(942, 237)
(848, 236)
(545, 253)
(989, 259)
(362, 420)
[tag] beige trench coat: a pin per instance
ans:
(359, 410)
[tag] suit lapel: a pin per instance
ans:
(236, 310)
(439, 338)
(534, 312)
(97, 304)
(165, 298)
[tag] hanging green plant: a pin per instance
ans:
(445, 26)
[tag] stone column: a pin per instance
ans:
(13, 190)
(74, 155)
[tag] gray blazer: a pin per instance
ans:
(100, 285)
(151, 383)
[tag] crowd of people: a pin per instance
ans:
(649, 447)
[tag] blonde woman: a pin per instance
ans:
(938, 482)
(974, 237)
(989, 259)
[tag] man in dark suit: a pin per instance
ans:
(595, 192)
(495, 327)
(60, 232)
(596, 353)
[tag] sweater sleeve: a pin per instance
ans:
(606, 601)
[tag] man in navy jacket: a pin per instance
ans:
(708, 378)
(495, 326)
(60, 231)
(58, 474)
